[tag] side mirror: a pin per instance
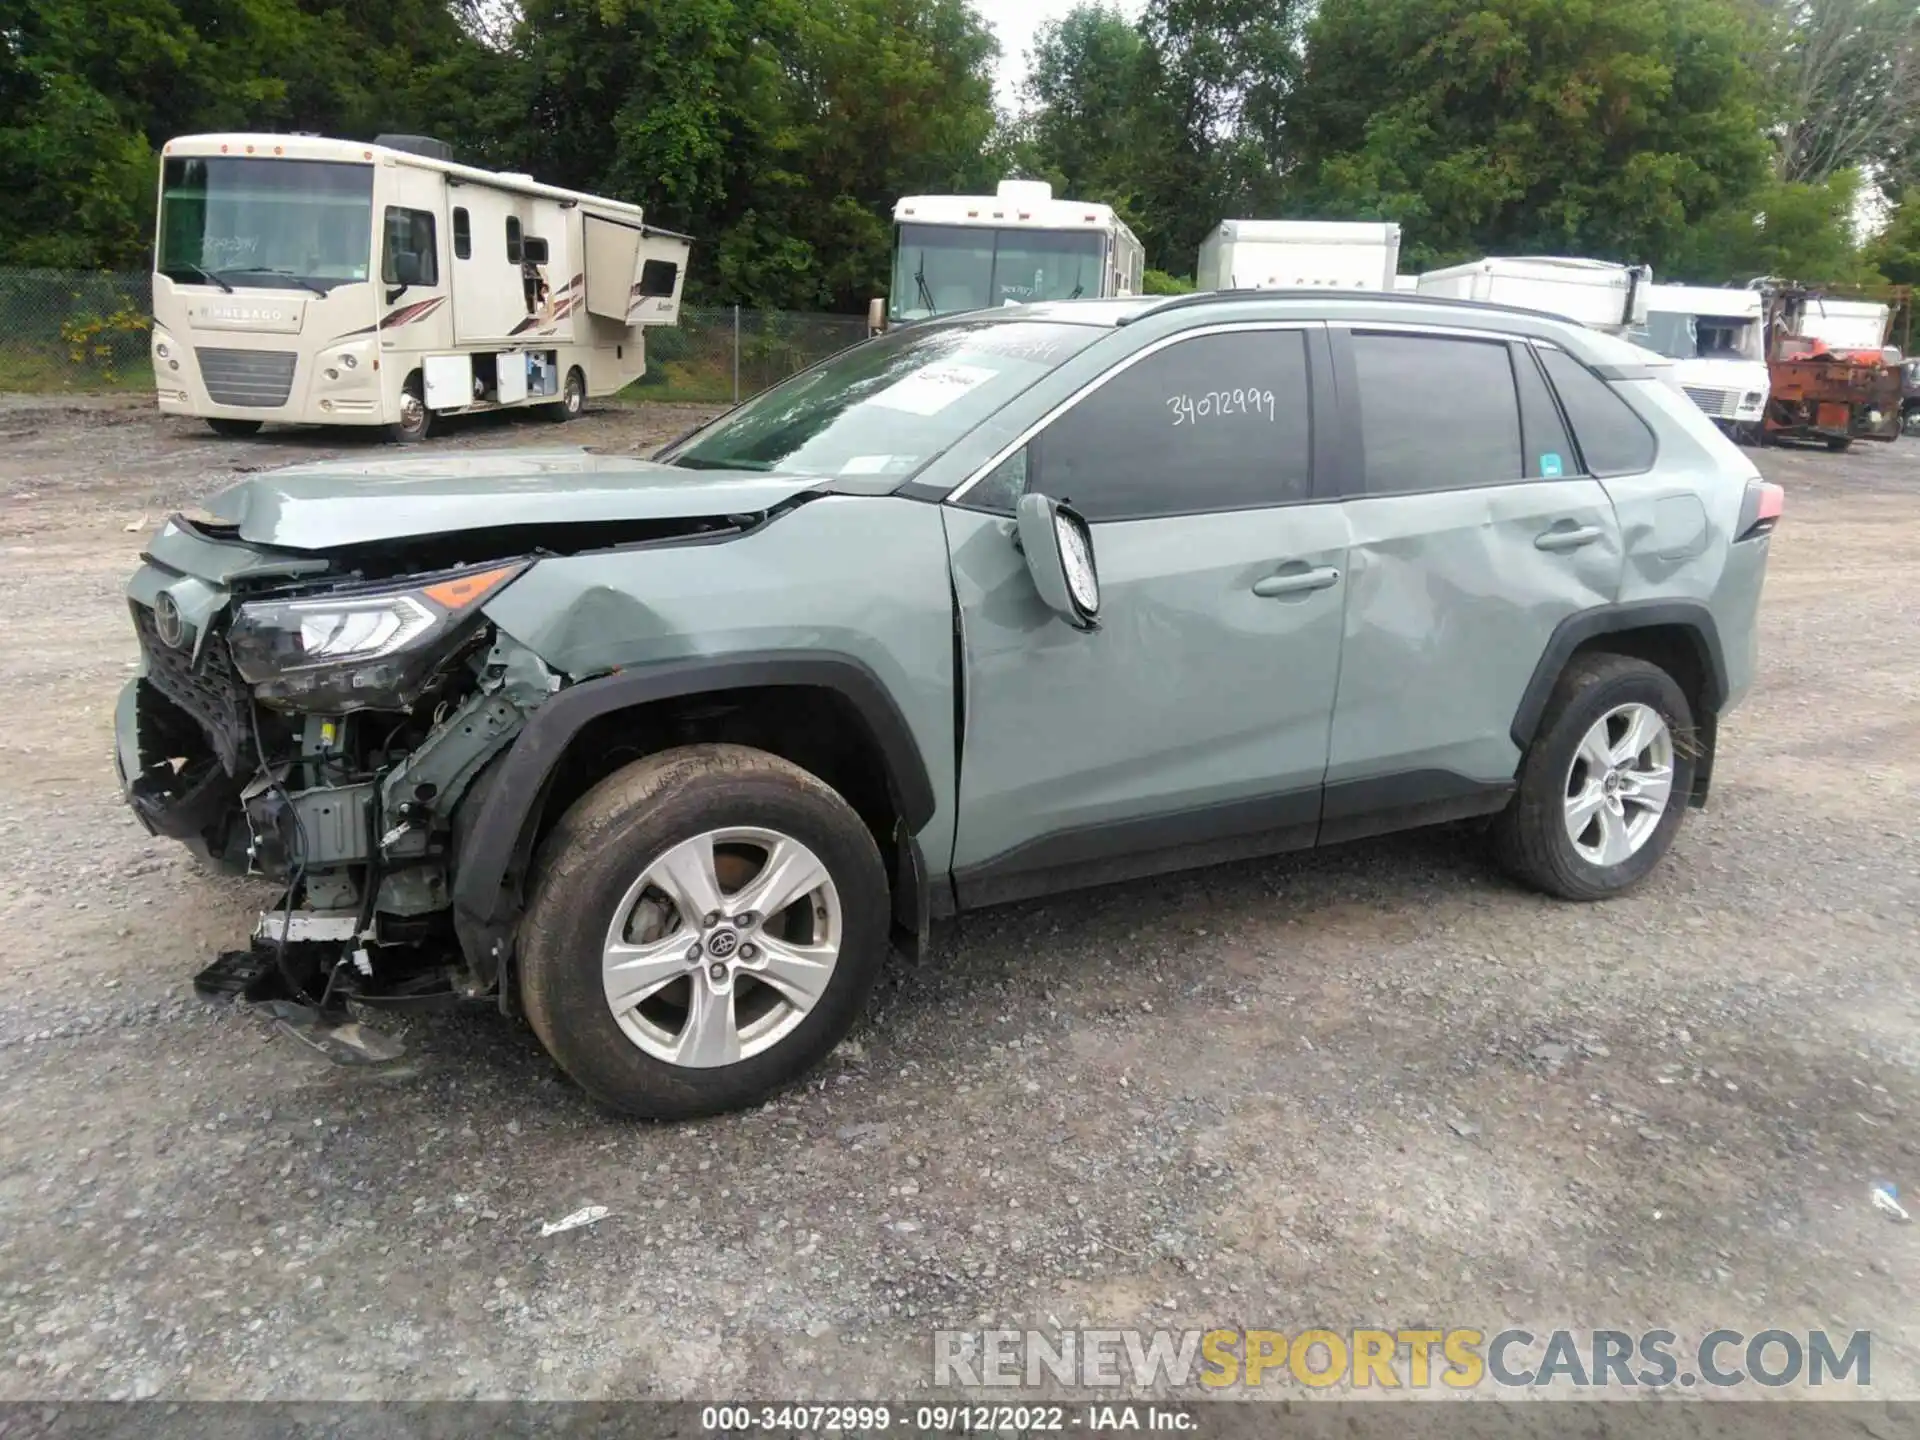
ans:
(1059, 551)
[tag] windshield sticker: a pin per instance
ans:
(929, 391)
(1549, 465)
(867, 465)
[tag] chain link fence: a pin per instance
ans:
(68, 332)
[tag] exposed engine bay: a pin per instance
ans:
(317, 721)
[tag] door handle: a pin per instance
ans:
(1571, 539)
(1295, 582)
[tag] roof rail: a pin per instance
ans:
(1384, 297)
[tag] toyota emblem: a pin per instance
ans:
(722, 943)
(168, 622)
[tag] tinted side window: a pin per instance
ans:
(1218, 422)
(1436, 413)
(410, 232)
(462, 234)
(1543, 436)
(1613, 440)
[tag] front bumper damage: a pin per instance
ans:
(359, 836)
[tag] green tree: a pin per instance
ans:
(1791, 229)
(1591, 127)
(92, 88)
(779, 133)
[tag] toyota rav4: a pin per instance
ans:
(665, 754)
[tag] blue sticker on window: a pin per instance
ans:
(1549, 464)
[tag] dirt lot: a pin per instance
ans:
(1373, 1086)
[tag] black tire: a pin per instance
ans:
(416, 421)
(605, 842)
(1530, 836)
(1838, 444)
(233, 429)
(572, 403)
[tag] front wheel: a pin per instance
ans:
(1605, 783)
(705, 925)
(572, 403)
(232, 429)
(1838, 444)
(416, 421)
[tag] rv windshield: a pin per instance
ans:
(943, 269)
(263, 223)
(1701, 337)
(885, 408)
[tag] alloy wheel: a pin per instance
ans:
(1619, 784)
(722, 947)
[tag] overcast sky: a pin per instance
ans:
(1014, 22)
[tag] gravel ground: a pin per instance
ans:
(1376, 1085)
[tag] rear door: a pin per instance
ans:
(1474, 531)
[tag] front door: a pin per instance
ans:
(1192, 724)
(1475, 532)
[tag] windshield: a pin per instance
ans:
(944, 269)
(261, 223)
(1701, 337)
(886, 407)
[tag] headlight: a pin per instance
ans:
(370, 649)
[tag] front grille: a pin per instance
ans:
(207, 689)
(1722, 403)
(260, 379)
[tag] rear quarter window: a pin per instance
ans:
(1613, 440)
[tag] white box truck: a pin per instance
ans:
(1850, 325)
(316, 281)
(1599, 295)
(1296, 254)
(1717, 341)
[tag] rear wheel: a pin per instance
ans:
(232, 429)
(573, 398)
(416, 421)
(704, 927)
(1604, 785)
(1839, 443)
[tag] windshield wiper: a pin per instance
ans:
(204, 274)
(300, 280)
(920, 279)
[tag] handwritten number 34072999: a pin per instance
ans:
(1214, 404)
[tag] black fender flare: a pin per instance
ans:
(495, 842)
(1690, 617)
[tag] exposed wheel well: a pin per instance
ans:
(815, 727)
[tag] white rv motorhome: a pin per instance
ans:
(1717, 341)
(1291, 254)
(1599, 295)
(976, 252)
(318, 281)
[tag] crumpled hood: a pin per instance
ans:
(353, 502)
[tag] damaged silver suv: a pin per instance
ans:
(664, 755)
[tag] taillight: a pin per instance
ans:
(1760, 511)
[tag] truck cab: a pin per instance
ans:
(1717, 341)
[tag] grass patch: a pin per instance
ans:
(49, 370)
